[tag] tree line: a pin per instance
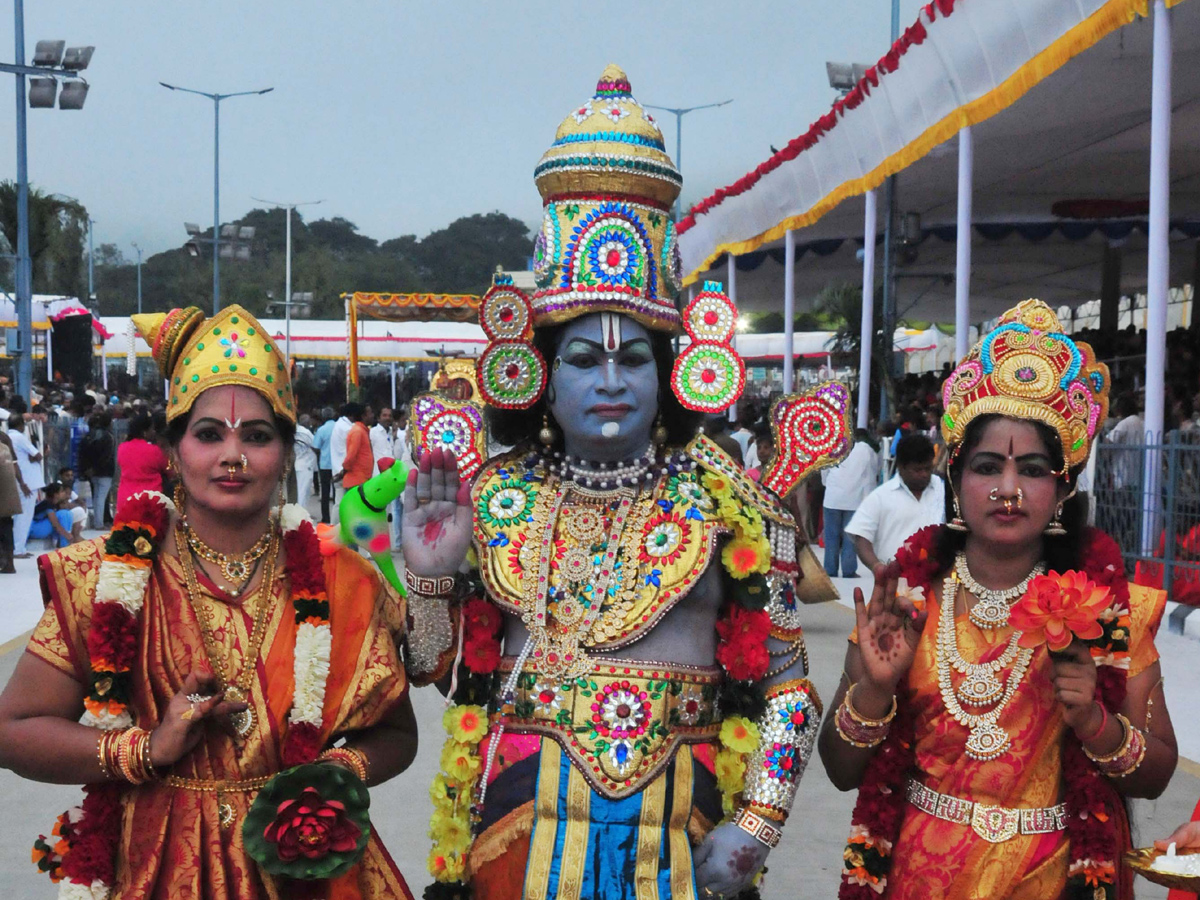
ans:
(329, 256)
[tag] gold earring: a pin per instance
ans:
(957, 523)
(1056, 528)
(547, 435)
(179, 498)
(659, 434)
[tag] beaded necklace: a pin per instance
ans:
(992, 609)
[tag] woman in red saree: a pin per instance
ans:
(246, 651)
(988, 769)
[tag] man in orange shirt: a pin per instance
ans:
(359, 461)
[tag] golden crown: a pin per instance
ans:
(607, 242)
(195, 354)
(1026, 368)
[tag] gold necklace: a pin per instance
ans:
(237, 691)
(237, 568)
(987, 740)
(993, 607)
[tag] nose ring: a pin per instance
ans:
(245, 463)
(995, 494)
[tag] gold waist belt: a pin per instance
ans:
(621, 722)
(992, 823)
(220, 787)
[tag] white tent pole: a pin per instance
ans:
(867, 334)
(1158, 264)
(393, 380)
(731, 290)
(962, 266)
(789, 308)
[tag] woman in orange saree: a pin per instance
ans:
(988, 767)
(241, 650)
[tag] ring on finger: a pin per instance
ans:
(200, 698)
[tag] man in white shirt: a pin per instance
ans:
(306, 460)
(29, 461)
(901, 506)
(1130, 430)
(383, 437)
(337, 455)
(846, 487)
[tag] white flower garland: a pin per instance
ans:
(314, 644)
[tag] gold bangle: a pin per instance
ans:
(102, 753)
(347, 757)
(860, 719)
(1126, 737)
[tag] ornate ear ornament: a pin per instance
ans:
(811, 431)
(510, 371)
(709, 376)
(454, 425)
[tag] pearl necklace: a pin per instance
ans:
(609, 476)
(993, 607)
(987, 740)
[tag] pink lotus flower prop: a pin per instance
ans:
(1058, 608)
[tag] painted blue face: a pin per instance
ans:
(604, 386)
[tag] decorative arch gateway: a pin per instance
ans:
(403, 308)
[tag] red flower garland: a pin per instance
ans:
(742, 648)
(306, 575)
(1094, 808)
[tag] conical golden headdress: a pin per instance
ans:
(195, 354)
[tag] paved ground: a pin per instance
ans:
(806, 864)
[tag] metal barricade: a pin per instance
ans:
(1158, 529)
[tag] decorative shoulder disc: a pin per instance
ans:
(455, 425)
(812, 431)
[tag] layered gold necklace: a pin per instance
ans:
(236, 690)
(986, 740)
(236, 567)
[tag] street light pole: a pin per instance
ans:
(139, 253)
(91, 259)
(24, 264)
(288, 208)
(679, 114)
(216, 99)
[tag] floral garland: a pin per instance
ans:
(742, 632)
(466, 724)
(83, 860)
(1093, 808)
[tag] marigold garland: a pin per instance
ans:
(1093, 807)
(83, 860)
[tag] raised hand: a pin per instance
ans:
(183, 720)
(888, 631)
(727, 860)
(437, 516)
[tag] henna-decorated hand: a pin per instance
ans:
(437, 516)
(888, 631)
(727, 861)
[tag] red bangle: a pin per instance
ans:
(1103, 722)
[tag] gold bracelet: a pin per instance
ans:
(350, 758)
(762, 830)
(1126, 737)
(861, 720)
(102, 752)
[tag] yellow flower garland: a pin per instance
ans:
(451, 791)
(739, 738)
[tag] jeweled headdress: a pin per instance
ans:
(195, 354)
(607, 242)
(1026, 368)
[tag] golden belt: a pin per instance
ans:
(996, 824)
(619, 723)
(201, 784)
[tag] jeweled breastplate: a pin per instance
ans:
(587, 569)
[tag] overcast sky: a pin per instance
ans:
(403, 116)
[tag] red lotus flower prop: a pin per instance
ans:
(311, 826)
(1058, 608)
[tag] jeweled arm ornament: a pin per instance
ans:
(788, 731)
(433, 612)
